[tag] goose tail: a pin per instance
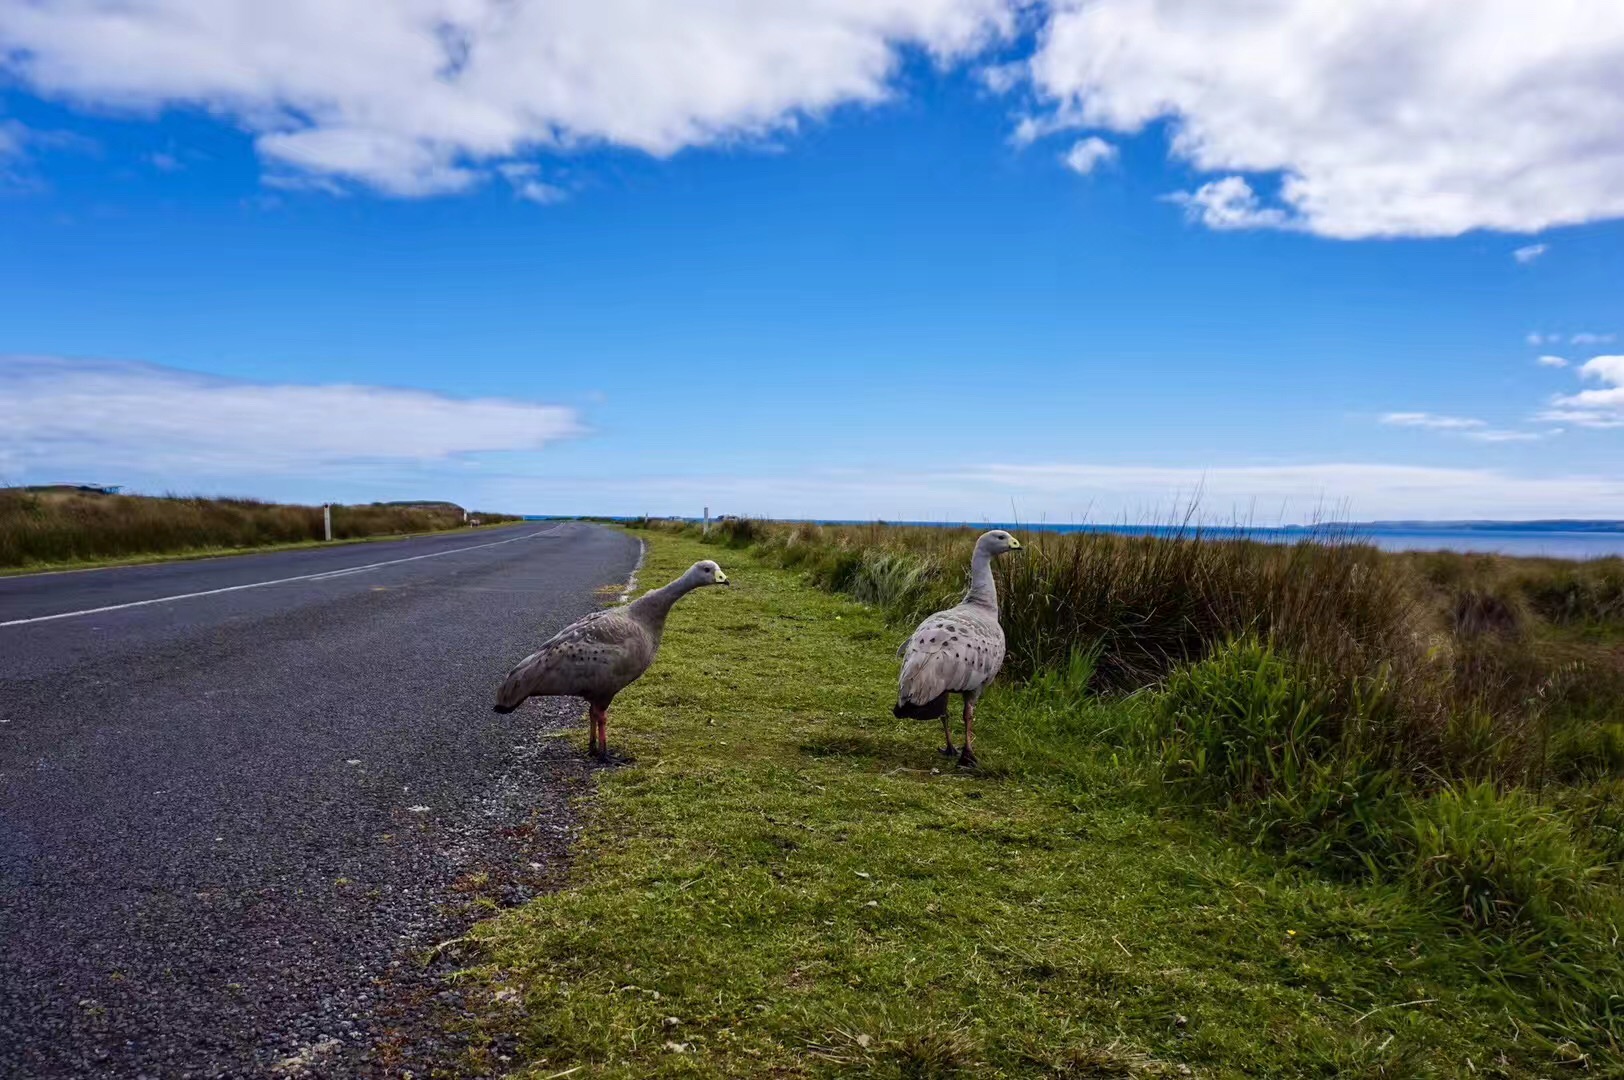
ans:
(934, 709)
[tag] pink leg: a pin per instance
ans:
(947, 733)
(594, 731)
(967, 758)
(600, 721)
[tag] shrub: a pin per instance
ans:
(1587, 751)
(1577, 594)
(1244, 720)
(1313, 774)
(895, 581)
(1596, 814)
(739, 532)
(1495, 859)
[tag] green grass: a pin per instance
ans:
(789, 882)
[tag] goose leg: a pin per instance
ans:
(594, 741)
(601, 720)
(967, 758)
(947, 733)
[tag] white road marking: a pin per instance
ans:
(324, 575)
(631, 582)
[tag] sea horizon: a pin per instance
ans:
(1577, 539)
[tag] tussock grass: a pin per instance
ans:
(1578, 595)
(789, 882)
(39, 529)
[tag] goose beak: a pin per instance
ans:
(724, 581)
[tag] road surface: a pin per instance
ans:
(240, 798)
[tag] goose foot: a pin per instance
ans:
(948, 751)
(968, 760)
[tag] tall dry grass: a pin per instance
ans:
(64, 527)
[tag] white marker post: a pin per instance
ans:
(707, 521)
(327, 519)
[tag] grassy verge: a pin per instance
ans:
(790, 882)
(64, 529)
(190, 554)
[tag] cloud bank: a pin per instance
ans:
(1381, 118)
(421, 97)
(71, 420)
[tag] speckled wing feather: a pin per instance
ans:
(593, 658)
(955, 651)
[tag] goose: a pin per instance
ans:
(598, 656)
(957, 651)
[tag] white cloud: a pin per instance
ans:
(1002, 78)
(1605, 368)
(18, 138)
(1086, 154)
(1467, 426)
(1502, 435)
(1552, 361)
(1602, 408)
(1383, 118)
(538, 192)
(1432, 421)
(1589, 338)
(528, 185)
(1530, 252)
(12, 136)
(417, 97)
(69, 416)
(1579, 418)
(1229, 203)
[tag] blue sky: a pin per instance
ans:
(820, 261)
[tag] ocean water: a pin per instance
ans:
(1549, 544)
(1504, 538)
(1550, 539)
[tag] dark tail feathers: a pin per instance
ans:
(934, 709)
(504, 709)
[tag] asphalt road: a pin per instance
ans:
(240, 801)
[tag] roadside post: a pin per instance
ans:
(327, 520)
(707, 522)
